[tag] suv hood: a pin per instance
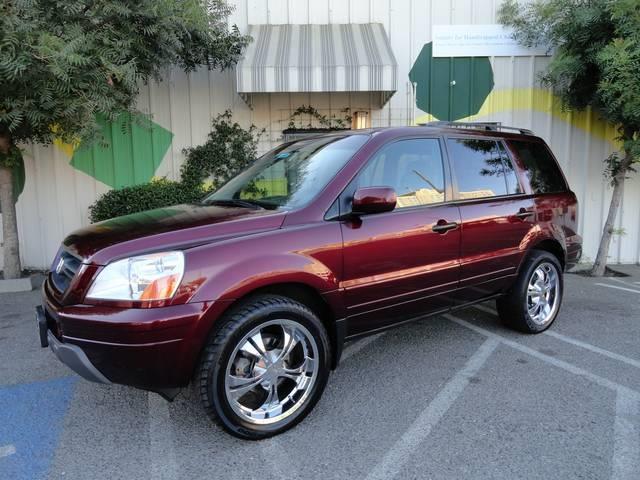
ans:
(167, 228)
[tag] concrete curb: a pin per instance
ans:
(21, 284)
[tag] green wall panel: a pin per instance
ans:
(130, 154)
(451, 88)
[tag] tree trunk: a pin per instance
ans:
(10, 244)
(600, 264)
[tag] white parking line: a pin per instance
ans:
(619, 280)
(355, 346)
(403, 449)
(163, 455)
(617, 287)
(626, 450)
(577, 343)
(7, 450)
(484, 308)
(605, 382)
(593, 348)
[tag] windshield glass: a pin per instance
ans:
(290, 175)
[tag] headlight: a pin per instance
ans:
(146, 277)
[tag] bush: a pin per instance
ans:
(228, 150)
(155, 194)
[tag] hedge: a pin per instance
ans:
(155, 194)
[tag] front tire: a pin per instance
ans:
(265, 369)
(533, 303)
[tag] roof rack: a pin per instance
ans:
(490, 126)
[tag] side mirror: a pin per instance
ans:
(373, 200)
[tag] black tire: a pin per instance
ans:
(513, 306)
(235, 325)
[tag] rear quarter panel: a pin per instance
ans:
(556, 213)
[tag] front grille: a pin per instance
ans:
(64, 268)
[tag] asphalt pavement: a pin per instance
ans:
(455, 396)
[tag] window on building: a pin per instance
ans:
(413, 168)
(482, 168)
(541, 169)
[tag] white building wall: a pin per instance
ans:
(56, 196)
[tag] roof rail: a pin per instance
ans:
(490, 126)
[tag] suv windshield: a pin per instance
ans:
(290, 175)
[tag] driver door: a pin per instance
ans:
(402, 263)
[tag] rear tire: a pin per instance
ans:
(265, 368)
(533, 303)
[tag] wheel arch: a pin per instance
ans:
(308, 296)
(553, 247)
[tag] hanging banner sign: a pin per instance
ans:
(479, 41)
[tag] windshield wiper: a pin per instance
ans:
(235, 202)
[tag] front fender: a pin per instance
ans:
(308, 254)
(237, 279)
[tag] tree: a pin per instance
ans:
(65, 63)
(596, 63)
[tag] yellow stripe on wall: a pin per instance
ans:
(539, 100)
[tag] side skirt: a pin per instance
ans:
(342, 326)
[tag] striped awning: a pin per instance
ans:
(318, 58)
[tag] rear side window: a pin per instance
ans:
(540, 167)
(482, 168)
(413, 168)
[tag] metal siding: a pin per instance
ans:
(56, 196)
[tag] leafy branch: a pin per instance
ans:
(318, 120)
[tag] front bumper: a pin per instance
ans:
(69, 354)
(153, 348)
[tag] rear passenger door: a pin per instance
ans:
(496, 215)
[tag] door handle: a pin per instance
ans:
(442, 226)
(523, 213)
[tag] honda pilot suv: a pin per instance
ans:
(251, 294)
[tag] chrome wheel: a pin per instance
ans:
(543, 293)
(271, 372)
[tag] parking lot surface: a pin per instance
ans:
(454, 396)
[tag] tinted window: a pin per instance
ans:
(412, 167)
(542, 170)
(513, 186)
(290, 175)
(482, 168)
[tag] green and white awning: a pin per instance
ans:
(318, 58)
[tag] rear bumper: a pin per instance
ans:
(574, 250)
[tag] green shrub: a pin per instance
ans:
(228, 150)
(155, 194)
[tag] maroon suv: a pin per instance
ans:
(252, 293)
